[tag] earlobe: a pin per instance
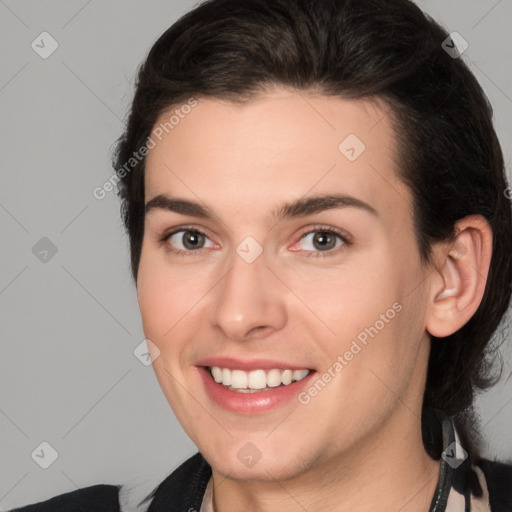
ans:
(458, 285)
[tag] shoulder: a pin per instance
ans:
(96, 498)
(498, 477)
(184, 487)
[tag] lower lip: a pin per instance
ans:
(251, 403)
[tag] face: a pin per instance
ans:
(278, 247)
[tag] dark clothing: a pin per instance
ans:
(459, 486)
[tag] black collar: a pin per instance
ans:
(441, 442)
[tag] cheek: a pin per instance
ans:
(152, 297)
(166, 295)
(344, 301)
(375, 322)
(390, 334)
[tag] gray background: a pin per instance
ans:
(70, 323)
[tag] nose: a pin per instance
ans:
(249, 301)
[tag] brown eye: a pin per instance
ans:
(192, 239)
(187, 240)
(322, 240)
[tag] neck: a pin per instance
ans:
(390, 468)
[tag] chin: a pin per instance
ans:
(266, 465)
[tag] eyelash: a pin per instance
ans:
(346, 242)
(315, 254)
(180, 252)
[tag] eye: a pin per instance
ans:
(322, 239)
(185, 241)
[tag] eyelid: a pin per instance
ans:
(164, 237)
(167, 233)
(343, 235)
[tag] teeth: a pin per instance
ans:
(256, 379)
(274, 378)
(238, 379)
(226, 376)
(216, 374)
(299, 374)
(286, 377)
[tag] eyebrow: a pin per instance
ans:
(299, 208)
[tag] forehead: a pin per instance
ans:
(279, 146)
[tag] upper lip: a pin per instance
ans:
(248, 365)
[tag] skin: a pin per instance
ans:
(358, 441)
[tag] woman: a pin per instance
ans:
(320, 232)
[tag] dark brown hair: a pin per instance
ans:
(449, 153)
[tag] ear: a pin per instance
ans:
(458, 283)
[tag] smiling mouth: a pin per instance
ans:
(256, 380)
